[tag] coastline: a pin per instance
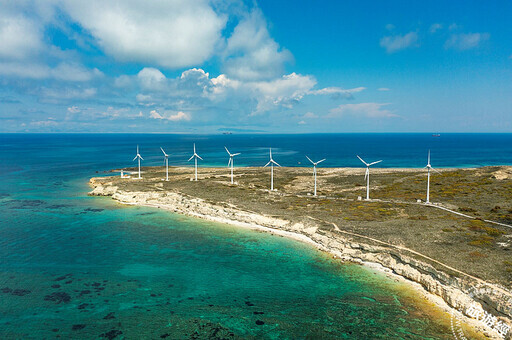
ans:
(447, 291)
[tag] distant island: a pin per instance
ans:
(460, 242)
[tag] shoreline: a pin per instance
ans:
(389, 273)
(445, 289)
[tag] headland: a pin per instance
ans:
(457, 248)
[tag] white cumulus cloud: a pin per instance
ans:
(20, 37)
(170, 115)
(466, 41)
(399, 42)
(171, 34)
(251, 53)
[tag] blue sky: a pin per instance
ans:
(269, 66)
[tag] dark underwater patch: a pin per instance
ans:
(23, 204)
(58, 297)
(112, 334)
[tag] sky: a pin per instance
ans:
(274, 66)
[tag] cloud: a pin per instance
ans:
(59, 94)
(302, 122)
(372, 110)
(151, 78)
(251, 54)
(453, 27)
(64, 71)
(310, 115)
(44, 123)
(174, 117)
(74, 72)
(336, 92)
(399, 42)
(435, 27)
(20, 37)
(73, 109)
(466, 41)
(170, 34)
(383, 89)
(284, 91)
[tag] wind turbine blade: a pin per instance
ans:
(137, 148)
(362, 160)
(374, 163)
(194, 148)
(275, 163)
(266, 165)
(190, 158)
(366, 173)
(199, 157)
(320, 161)
(236, 154)
(134, 158)
(229, 162)
(435, 170)
(270, 153)
(141, 157)
(428, 157)
(163, 152)
(310, 160)
(229, 153)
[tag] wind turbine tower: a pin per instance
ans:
(314, 169)
(429, 167)
(231, 156)
(271, 163)
(367, 176)
(139, 157)
(166, 161)
(195, 156)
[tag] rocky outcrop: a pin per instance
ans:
(457, 289)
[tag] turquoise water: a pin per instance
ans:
(73, 266)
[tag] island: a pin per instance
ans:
(458, 248)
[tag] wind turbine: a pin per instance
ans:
(314, 169)
(231, 155)
(166, 160)
(367, 176)
(429, 167)
(271, 163)
(139, 157)
(195, 156)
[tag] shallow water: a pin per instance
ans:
(73, 266)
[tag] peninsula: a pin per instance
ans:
(458, 248)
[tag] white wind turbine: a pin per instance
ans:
(139, 157)
(166, 160)
(367, 176)
(314, 169)
(195, 156)
(271, 163)
(231, 155)
(429, 167)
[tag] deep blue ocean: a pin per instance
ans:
(73, 266)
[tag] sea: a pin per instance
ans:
(79, 267)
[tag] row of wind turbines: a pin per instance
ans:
(272, 162)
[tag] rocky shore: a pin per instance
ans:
(458, 290)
